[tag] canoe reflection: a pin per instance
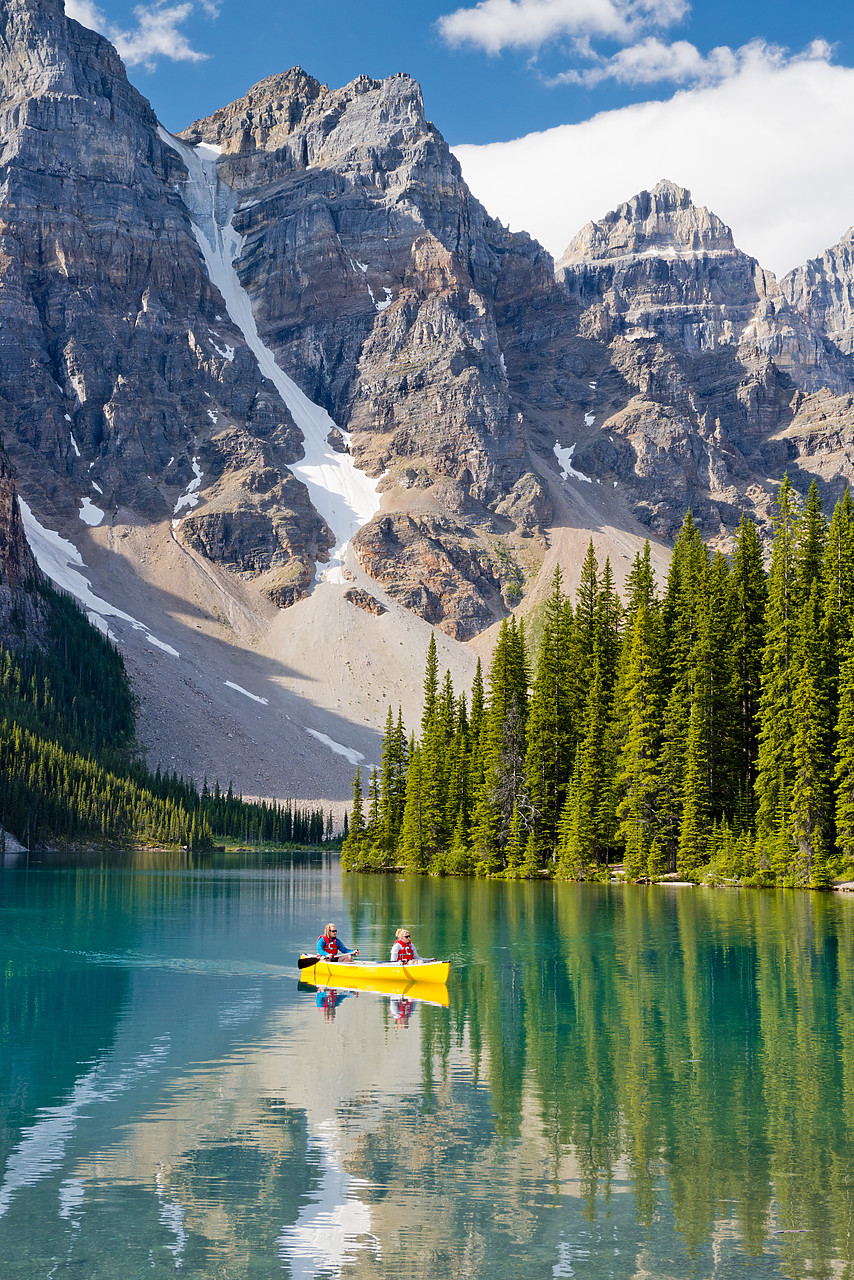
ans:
(405, 996)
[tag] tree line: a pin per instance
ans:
(69, 768)
(705, 730)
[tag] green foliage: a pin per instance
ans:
(708, 733)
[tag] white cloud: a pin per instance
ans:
(156, 34)
(768, 149)
(494, 25)
(651, 60)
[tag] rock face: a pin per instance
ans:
(22, 611)
(117, 359)
(822, 294)
(490, 396)
(703, 363)
(364, 600)
(660, 267)
(375, 277)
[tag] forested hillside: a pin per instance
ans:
(705, 730)
(68, 763)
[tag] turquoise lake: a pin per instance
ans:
(626, 1082)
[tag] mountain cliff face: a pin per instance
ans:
(710, 370)
(822, 294)
(117, 359)
(374, 276)
(491, 400)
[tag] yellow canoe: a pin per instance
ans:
(341, 972)
(429, 992)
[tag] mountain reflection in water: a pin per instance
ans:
(626, 1082)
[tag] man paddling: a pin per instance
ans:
(329, 948)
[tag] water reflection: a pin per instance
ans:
(624, 1083)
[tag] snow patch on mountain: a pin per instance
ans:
(62, 562)
(349, 753)
(344, 496)
(89, 513)
(229, 684)
(564, 457)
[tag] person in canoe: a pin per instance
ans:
(403, 951)
(329, 948)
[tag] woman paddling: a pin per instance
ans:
(329, 948)
(403, 951)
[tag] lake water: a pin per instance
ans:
(627, 1082)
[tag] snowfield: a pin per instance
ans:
(345, 497)
(62, 563)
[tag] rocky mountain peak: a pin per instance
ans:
(822, 293)
(661, 222)
(304, 124)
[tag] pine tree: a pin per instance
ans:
(776, 711)
(351, 849)
(502, 749)
(694, 828)
(586, 831)
(837, 596)
(514, 854)
(638, 764)
(810, 781)
(413, 851)
(681, 612)
(843, 775)
(431, 686)
(749, 593)
(550, 729)
(811, 536)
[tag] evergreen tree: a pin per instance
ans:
(502, 748)
(844, 763)
(694, 827)
(586, 831)
(413, 850)
(749, 600)
(811, 536)
(638, 763)
(837, 595)
(776, 711)
(550, 729)
(351, 848)
(810, 781)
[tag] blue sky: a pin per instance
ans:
(501, 70)
(488, 73)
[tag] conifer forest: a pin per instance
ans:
(69, 767)
(702, 728)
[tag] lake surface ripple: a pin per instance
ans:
(626, 1082)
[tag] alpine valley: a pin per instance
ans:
(281, 399)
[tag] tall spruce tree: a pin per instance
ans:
(843, 775)
(351, 848)
(638, 763)
(776, 703)
(550, 728)
(810, 783)
(837, 583)
(749, 592)
(587, 830)
(504, 784)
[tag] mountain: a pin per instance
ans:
(282, 396)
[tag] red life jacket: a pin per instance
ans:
(406, 953)
(329, 945)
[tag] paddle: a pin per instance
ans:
(305, 962)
